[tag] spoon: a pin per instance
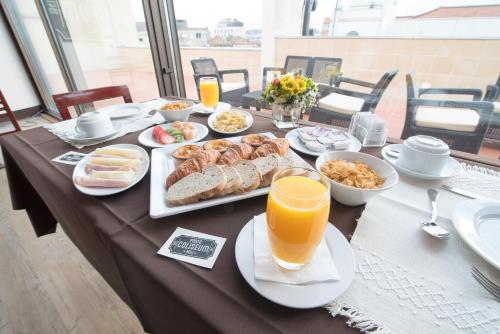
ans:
(432, 226)
(151, 113)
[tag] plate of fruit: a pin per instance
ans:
(173, 134)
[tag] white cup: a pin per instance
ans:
(93, 124)
(424, 154)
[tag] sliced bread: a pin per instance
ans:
(234, 181)
(268, 166)
(249, 173)
(288, 161)
(190, 189)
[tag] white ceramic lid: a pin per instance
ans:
(428, 144)
(91, 117)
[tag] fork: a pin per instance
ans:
(486, 283)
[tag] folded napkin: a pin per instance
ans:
(128, 125)
(321, 267)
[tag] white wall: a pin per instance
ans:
(15, 81)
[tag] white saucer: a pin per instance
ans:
(296, 144)
(124, 110)
(94, 191)
(146, 137)
(77, 138)
(478, 223)
(201, 109)
(248, 118)
(451, 169)
(298, 296)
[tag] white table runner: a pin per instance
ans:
(127, 125)
(409, 282)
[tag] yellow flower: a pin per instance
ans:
(289, 85)
(284, 79)
(301, 84)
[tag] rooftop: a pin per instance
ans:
(458, 11)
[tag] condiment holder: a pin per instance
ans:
(370, 129)
(424, 154)
(93, 124)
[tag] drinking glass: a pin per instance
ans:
(209, 91)
(298, 206)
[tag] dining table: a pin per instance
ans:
(119, 238)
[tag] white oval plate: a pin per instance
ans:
(248, 117)
(451, 169)
(201, 109)
(478, 223)
(146, 136)
(94, 191)
(124, 110)
(296, 144)
(298, 296)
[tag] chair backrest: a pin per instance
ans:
(381, 86)
(498, 88)
(4, 107)
(71, 99)
(204, 66)
(300, 64)
(324, 70)
(411, 87)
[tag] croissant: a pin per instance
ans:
(278, 145)
(236, 152)
(194, 164)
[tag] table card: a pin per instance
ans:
(70, 158)
(193, 247)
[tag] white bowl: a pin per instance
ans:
(424, 154)
(356, 196)
(177, 115)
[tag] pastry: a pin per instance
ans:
(194, 164)
(220, 145)
(236, 152)
(254, 139)
(278, 145)
(186, 151)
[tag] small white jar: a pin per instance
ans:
(424, 154)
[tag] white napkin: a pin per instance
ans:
(321, 267)
(142, 121)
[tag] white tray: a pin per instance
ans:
(162, 164)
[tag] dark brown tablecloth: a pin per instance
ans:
(119, 238)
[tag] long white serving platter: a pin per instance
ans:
(162, 164)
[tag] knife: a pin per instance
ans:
(464, 193)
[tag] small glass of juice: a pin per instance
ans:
(298, 206)
(209, 91)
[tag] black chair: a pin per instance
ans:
(337, 105)
(461, 124)
(493, 95)
(293, 64)
(231, 92)
(324, 71)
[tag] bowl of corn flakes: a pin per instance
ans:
(176, 110)
(356, 177)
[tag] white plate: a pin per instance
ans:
(296, 143)
(75, 137)
(298, 296)
(124, 110)
(201, 109)
(162, 164)
(248, 119)
(94, 191)
(478, 223)
(146, 137)
(451, 169)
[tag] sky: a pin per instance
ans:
(206, 13)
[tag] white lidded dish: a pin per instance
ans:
(424, 154)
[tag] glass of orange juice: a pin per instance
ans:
(209, 91)
(298, 206)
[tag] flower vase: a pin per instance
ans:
(285, 115)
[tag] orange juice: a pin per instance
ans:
(297, 214)
(209, 91)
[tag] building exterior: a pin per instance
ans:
(190, 36)
(230, 27)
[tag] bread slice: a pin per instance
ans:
(250, 174)
(190, 189)
(234, 181)
(268, 166)
(288, 161)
